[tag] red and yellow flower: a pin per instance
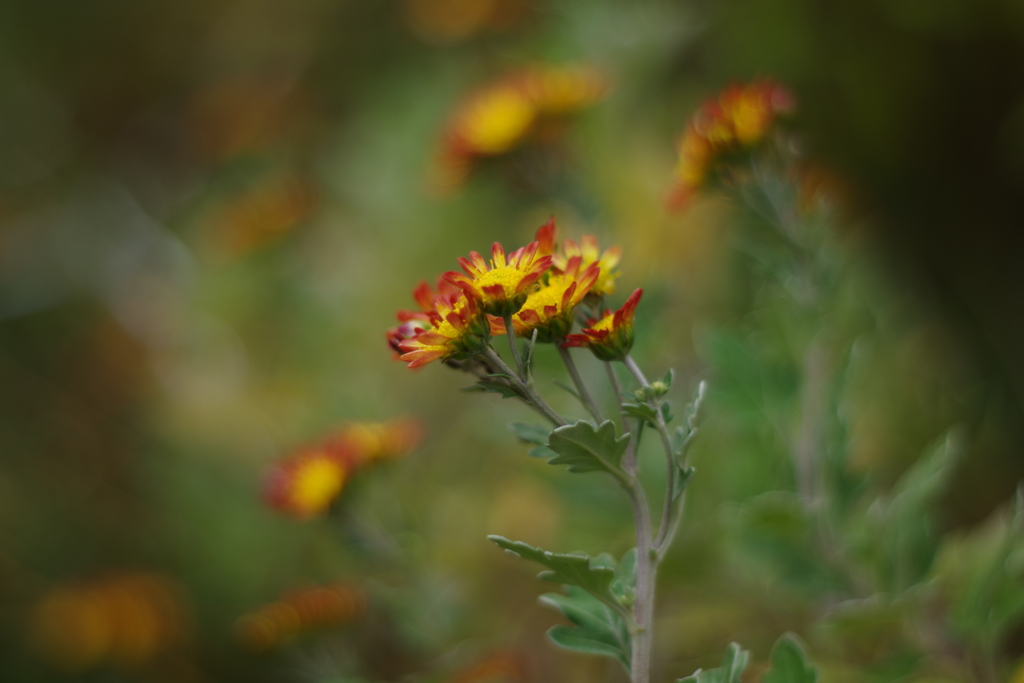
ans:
(502, 286)
(611, 337)
(458, 330)
(300, 612)
(741, 117)
(506, 113)
(305, 483)
(549, 309)
(588, 251)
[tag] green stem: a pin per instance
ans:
(646, 574)
(526, 391)
(513, 345)
(581, 387)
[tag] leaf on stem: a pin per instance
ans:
(597, 629)
(528, 433)
(495, 386)
(641, 411)
(566, 387)
(572, 569)
(789, 663)
(733, 664)
(584, 448)
(669, 377)
(681, 477)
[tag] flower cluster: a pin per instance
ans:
(123, 620)
(609, 337)
(739, 118)
(538, 287)
(300, 612)
(531, 103)
(308, 481)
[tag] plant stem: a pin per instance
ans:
(646, 573)
(526, 391)
(510, 332)
(588, 400)
(617, 388)
(666, 441)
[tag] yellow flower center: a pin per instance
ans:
(506, 276)
(316, 484)
(604, 323)
(498, 122)
(551, 295)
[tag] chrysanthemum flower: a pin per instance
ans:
(589, 252)
(300, 612)
(306, 483)
(741, 117)
(459, 330)
(611, 337)
(549, 309)
(506, 113)
(375, 442)
(501, 287)
(413, 323)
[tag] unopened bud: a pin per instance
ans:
(640, 395)
(660, 388)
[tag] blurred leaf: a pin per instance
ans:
(585, 449)
(789, 663)
(681, 479)
(542, 452)
(495, 386)
(597, 629)
(669, 378)
(528, 433)
(641, 411)
(733, 665)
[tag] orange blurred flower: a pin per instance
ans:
(124, 620)
(298, 613)
(306, 482)
(739, 118)
(506, 113)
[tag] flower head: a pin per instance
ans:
(506, 113)
(300, 612)
(125, 620)
(501, 287)
(306, 483)
(741, 117)
(587, 250)
(458, 330)
(549, 309)
(611, 337)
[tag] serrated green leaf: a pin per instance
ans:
(528, 433)
(542, 452)
(585, 449)
(733, 665)
(598, 629)
(570, 569)
(789, 663)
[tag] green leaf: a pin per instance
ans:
(681, 479)
(789, 663)
(733, 664)
(666, 412)
(570, 569)
(640, 411)
(597, 629)
(585, 449)
(496, 386)
(669, 377)
(624, 584)
(542, 452)
(528, 433)
(566, 387)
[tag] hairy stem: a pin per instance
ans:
(581, 387)
(617, 388)
(526, 391)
